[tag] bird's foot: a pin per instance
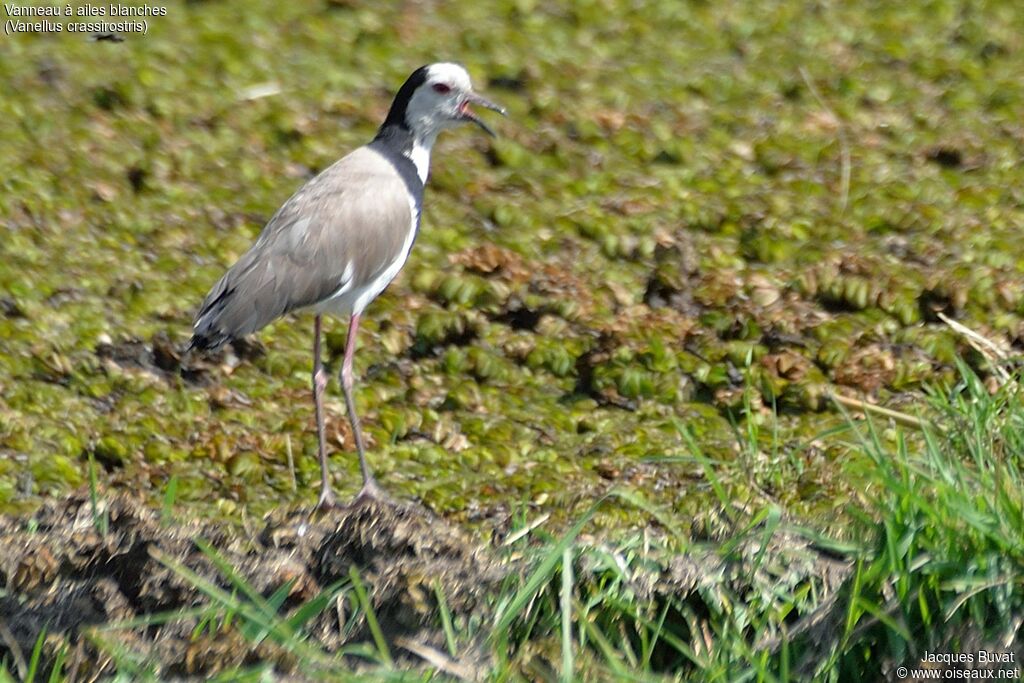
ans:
(371, 492)
(327, 500)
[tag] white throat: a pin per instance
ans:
(420, 155)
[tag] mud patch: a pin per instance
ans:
(58, 572)
(165, 359)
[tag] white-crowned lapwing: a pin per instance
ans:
(342, 238)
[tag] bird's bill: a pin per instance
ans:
(469, 115)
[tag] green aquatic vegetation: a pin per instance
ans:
(699, 211)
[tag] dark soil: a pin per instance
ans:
(58, 572)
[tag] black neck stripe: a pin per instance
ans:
(396, 115)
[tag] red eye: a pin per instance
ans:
(442, 88)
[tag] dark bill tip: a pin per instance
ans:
(487, 104)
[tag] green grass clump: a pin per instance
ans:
(947, 569)
(941, 569)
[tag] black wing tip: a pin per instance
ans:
(207, 342)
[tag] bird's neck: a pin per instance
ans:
(420, 155)
(413, 146)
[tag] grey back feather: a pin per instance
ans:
(354, 216)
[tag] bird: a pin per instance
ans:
(341, 238)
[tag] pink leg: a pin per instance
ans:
(370, 488)
(319, 384)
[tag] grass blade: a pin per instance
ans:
(509, 611)
(371, 616)
(568, 666)
(37, 653)
(446, 620)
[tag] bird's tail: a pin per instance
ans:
(207, 342)
(207, 332)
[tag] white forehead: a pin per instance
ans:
(452, 74)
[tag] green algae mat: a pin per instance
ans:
(706, 214)
(700, 225)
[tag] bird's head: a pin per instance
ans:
(436, 97)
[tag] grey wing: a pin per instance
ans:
(339, 230)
